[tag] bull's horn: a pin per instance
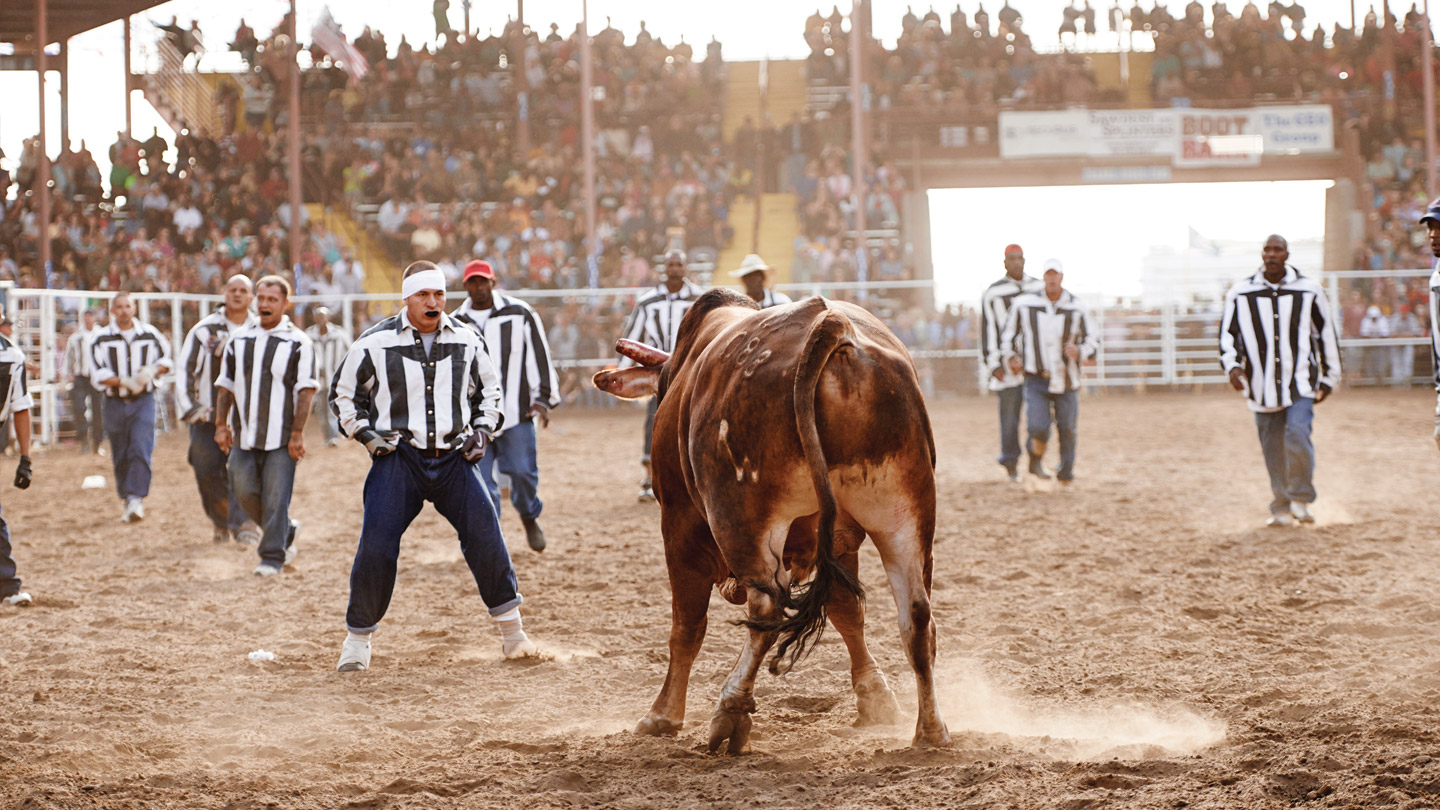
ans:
(640, 353)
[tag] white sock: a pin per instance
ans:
(365, 637)
(512, 628)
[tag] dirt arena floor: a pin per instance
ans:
(1138, 640)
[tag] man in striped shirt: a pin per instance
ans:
(1279, 347)
(1008, 386)
(15, 405)
(83, 394)
(331, 343)
(266, 384)
(419, 391)
(529, 388)
(1047, 336)
(128, 355)
(1430, 221)
(655, 322)
(195, 400)
(753, 273)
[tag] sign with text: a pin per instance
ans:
(1189, 137)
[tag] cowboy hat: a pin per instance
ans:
(752, 263)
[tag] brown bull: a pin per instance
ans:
(783, 438)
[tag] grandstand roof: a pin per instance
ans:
(64, 18)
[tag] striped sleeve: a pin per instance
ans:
(1010, 335)
(163, 342)
(1323, 320)
(226, 379)
(350, 395)
(635, 330)
(1088, 340)
(1230, 338)
(989, 334)
(306, 376)
(542, 371)
(486, 415)
(191, 363)
(19, 399)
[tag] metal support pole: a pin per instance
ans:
(64, 97)
(761, 156)
(294, 139)
(520, 43)
(587, 130)
(857, 134)
(1427, 48)
(42, 36)
(127, 80)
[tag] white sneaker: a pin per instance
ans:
(1301, 511)
(354, 654)
(136, 508)
(522, 647)
(128, 516)
(247, 535)
(21, 599)
(1280, 521)
(266, 570)
(291, 550)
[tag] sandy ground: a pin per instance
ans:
(1135, 641)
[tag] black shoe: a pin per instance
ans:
(534, 535)
(1012, 472)
(1037, 468)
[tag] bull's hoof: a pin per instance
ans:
(656, 726)
(733, 591)
(875, 703)
(731, 726)
(934, 737)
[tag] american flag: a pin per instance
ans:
(328, 36)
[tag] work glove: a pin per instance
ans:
(197, 415)
(381, 442)
(22, 473)
(474, 447)
(146, 376)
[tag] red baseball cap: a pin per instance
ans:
(478, 268)
(1012, 249)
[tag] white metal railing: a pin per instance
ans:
(1166, 345)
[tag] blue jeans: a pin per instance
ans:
(1289, 453)
(1038, 404)
(130, 425)
(396, 489)
(1011, 400)
(92, 429)
(9, 581)
(263, 481)
(214, 482)
(514, 452)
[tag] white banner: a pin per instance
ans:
(1188, 137)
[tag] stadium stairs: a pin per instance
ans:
(382, 276)
(742, 93)
(779, 225)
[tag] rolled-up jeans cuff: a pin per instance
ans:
(362, 631)
(508, 606)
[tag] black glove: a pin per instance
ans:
(22, 473)
(379, 442)
(474, 447)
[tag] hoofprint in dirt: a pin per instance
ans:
(1136, 640)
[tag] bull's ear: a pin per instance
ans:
(628, 383)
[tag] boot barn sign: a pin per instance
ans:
(1186, 137)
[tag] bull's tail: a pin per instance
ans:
(803, 607)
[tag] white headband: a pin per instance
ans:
(423, 280)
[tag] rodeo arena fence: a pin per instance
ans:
(1169, 345)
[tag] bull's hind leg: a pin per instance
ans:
(873, 698)
(693, 561)
(906, 554)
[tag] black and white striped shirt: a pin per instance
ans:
(1282, 336)
(330, 349)
(77, 352)
(14, 385)
(657, 316)
(122, 354)
(1038, 330)
(265, 369)
(200, 360)
(515, 338)
(1435, 333)
(994, 311)
(388, 382)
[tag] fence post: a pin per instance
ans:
(1167, 344)
(49, 418)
